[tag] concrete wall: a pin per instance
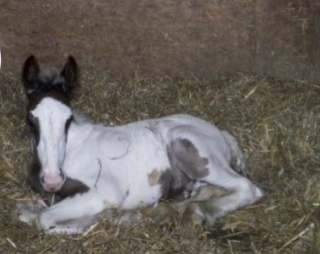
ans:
(201, 38)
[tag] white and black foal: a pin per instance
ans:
(92, 167)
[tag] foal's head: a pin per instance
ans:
(49, 117)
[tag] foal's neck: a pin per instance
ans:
(78, 133)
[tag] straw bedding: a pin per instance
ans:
(276, 123)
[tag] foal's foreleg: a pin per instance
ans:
(72, 215)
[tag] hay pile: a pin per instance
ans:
(276, 123)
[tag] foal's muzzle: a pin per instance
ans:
(52, 182)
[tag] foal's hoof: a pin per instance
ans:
(26, 214)
(200, 213)
(193, 214)
(129, 217)
(163, 213)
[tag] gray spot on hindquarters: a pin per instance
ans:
(166, 182)
(172, 184)
(185, 159)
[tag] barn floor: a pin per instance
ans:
(276, 122)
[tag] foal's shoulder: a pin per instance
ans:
(81, 118)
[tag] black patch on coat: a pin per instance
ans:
(70, 187)
(34, 126)
(67, 126)
(172, 187)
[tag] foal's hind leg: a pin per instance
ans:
(243, 192)
(200, 157)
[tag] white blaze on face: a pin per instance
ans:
(52, 116)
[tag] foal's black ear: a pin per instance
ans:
(30, 71)
(70, 72)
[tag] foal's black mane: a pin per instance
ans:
(54, 86)
(41, 94)
(41, 86)
(48, 82)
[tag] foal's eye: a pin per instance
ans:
(33, 123)
(68, 123)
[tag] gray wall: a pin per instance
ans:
(201, 38)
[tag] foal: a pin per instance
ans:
(93, 168)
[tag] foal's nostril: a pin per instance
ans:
(61, 174)
(42, 179)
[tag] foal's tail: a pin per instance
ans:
(237, 157)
